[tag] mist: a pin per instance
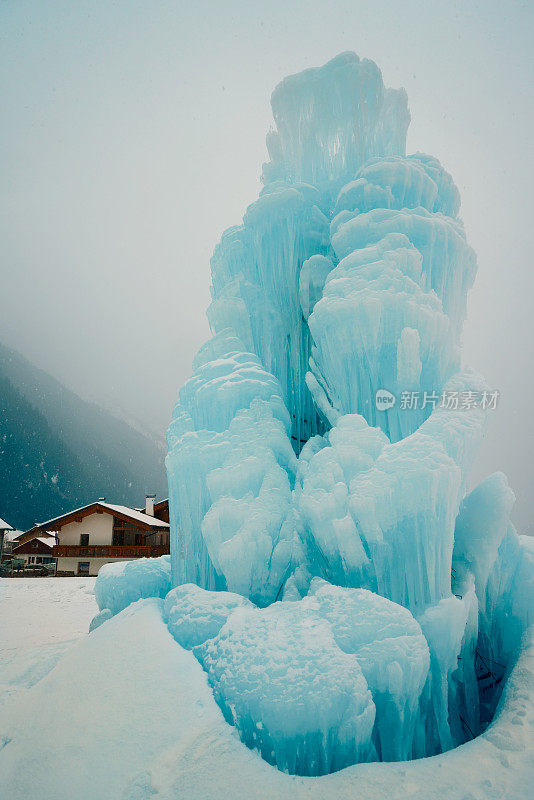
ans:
(133, 134)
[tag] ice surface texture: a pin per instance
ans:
(349, 275)
(289, 689)
(195, 615)
(314, 684)
(392, 653)
(124, 582)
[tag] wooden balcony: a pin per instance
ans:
(108, 551)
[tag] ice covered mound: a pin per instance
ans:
(282, 676)
(328, 432)
(195, 615)
(292, 693)
(393, 655)
(123, 582)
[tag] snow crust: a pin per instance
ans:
(194, 615)
(40, 620)
(173, 741)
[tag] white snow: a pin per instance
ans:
(40, 619)
(139, 516)
(48, 540)
(37, 611)
(127, 714)
(11, 535)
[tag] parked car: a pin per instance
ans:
(36, 569)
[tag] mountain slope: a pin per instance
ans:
(58, 451)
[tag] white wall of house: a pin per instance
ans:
(71, 564)
(98, 526)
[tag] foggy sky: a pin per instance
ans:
(133, 134)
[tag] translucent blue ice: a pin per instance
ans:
(292, 693)
(124, 582)
(195, 615)
(393, 655)
(346, 282)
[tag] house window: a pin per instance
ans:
(84, 539)
(127, 533)
(83, 568)
(118, 538)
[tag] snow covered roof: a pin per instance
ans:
(140, 516)
(5, 526)
(48, 541)
(133, 514)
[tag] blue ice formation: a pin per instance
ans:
(121, 583)
(316, 683)
(292, 692)
(195, 615)
(393, 655)
(385, 605)
(100, 618)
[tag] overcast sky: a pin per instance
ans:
(133, 134)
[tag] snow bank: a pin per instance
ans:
(151, 728)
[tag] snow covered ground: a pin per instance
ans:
(40, 619)
(126, 714)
